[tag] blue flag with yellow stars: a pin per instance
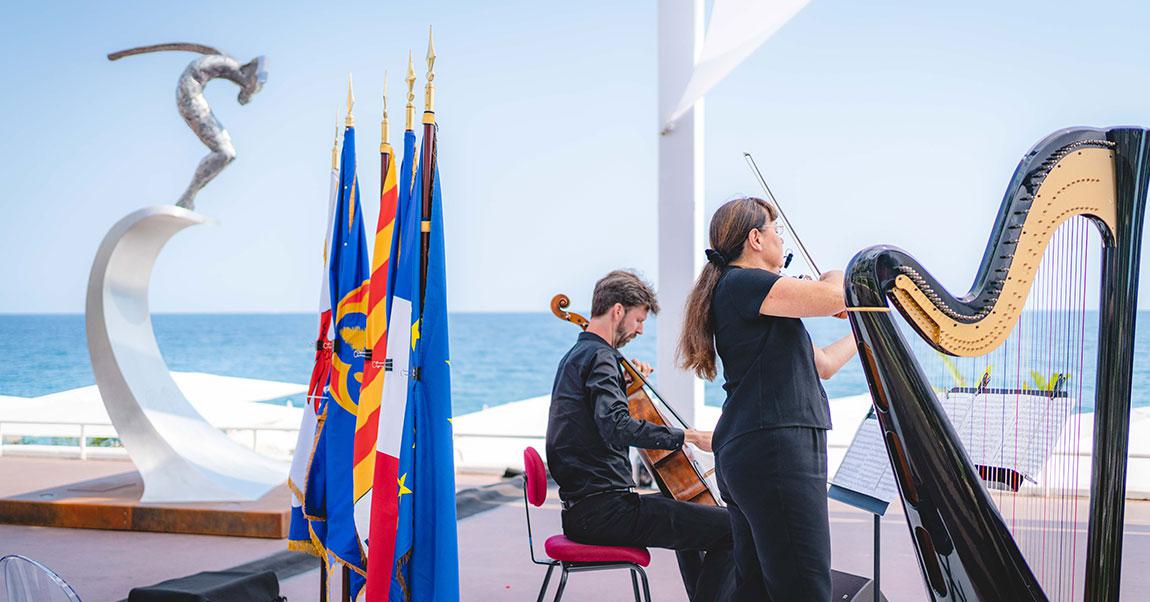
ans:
(426, 549)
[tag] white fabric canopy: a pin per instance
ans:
(737, 28)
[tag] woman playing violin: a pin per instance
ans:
(770, 443)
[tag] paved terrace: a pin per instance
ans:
(494, 565)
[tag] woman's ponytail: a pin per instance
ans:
(729, 228)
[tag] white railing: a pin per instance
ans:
(256, 430)
(85, 431)
(71, 429)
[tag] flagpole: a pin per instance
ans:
(350, 121)
(428, 152)
(410, 79)
(334, 154)
(384, 147)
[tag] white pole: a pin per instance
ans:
(680, 196)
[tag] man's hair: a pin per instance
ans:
(622, 286)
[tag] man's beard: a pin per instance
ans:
(622, 337)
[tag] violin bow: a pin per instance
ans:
(786, 222)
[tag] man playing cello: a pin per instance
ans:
(589, 430)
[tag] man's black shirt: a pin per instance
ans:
(589, 428)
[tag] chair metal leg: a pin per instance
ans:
(546, 580)
(562, 584)
(635, 586)
(646, 589)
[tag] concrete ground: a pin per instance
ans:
(494, 560)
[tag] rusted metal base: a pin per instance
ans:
(114, 503)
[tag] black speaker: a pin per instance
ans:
(213, 586)
(846, 587)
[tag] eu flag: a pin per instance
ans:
(349, 285)
(427, 558)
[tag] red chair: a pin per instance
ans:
(571, 556)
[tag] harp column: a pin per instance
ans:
(680, 195)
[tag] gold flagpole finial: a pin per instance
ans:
(335, 145)
(410, 79)
(350, 121)
(383, 124)
(429, 94)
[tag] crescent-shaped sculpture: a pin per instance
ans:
(180, 456)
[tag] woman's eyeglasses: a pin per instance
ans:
(778, 228)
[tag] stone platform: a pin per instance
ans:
(112, 502)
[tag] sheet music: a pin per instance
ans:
(1012, 429)
(865, 467)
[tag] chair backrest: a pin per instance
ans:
(534, 477)
(26, 580)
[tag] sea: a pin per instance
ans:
(496, 358)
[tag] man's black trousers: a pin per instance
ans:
(700, 535)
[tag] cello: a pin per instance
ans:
(683, 474)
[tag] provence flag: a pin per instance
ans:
(403, 285)
(349, 285)
(427, 558)
(378, 303)
(300, 537)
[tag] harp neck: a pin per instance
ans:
(1078, 179)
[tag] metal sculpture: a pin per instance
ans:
(194, 108)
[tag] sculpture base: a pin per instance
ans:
(114, 503)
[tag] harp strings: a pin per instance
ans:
(1018, 410)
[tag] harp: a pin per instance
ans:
(984, 526)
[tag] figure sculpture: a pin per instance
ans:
(194, 108)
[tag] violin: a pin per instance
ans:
(684, 474)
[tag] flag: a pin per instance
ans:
(379, 295)
(426, 550)
(402, 286)
(330, 499)
(300, 536)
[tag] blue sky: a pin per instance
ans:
(877, 122)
